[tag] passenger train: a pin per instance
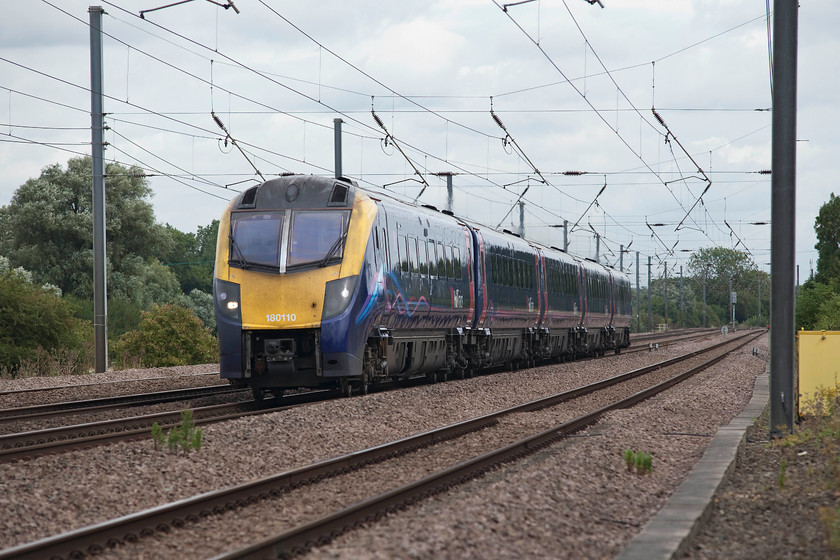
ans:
(319, 283)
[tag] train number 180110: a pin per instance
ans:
(280, 317)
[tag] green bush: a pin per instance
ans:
(184, 436)
(38, 329)
(169, 335)
(201, 303)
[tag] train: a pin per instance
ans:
(319, 283)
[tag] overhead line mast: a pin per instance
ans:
(97, 126)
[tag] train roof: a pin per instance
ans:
(315, 187)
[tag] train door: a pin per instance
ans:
(583, 296)
(612, 295)
(380, 240)
(471, 276)
(542, 289)
(480, 281)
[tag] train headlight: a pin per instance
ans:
(227, 299)
(337, 296)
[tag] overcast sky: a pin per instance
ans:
(573, 85)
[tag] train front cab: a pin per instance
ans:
(288, 266)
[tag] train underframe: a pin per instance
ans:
(285, 359)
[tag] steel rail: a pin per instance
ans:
(663, 342)
(27, 445)
(321, 531)
(108, 403)
(95, 538)
(100, 384)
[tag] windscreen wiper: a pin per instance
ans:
(332, 251)
(242, 262)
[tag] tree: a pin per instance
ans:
(35, 319)
(48, 227)
(191, 257)
(719, 265)
(827, 228)
(169, 335)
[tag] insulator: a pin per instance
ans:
(659, 118)
(498, 120)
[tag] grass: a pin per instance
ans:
(184, 436)
(640, 461)
(819, 428)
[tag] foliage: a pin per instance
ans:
(719, 264)
(191, 257)
(184, 436)
(830, 518)
(39, 329)
(828, 315)
(818, 305)
(827, 228)
(169, 335)
(48, 227)
(200, 303)
(817, 436)
(144, 282)
(641, 461)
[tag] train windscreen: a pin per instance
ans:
(255, 239)
(317, 237)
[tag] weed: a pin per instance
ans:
(183, 436)
(157, 435)
(830, 518)
(629, 458)
(641, 461)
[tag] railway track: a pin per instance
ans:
(650, 343)
(111, 403)
(302, 536)
(36, 442)
(102, 384)
(27, 445)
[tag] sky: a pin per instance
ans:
(644, 124)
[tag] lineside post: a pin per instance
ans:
(783, 214)
(650, 309)
(638, 298)
(97, 126)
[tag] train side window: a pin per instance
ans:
(432, 259)
(456, 262)
(447, 256)
(402, 256)
(424, 259)
(386, 249)
(411, 249)
(441, 261)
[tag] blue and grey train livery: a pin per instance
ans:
(319, 283)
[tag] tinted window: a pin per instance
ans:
(456, 261)
(255, 238)
(402, 256)
(411, 248)
(317, 234)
